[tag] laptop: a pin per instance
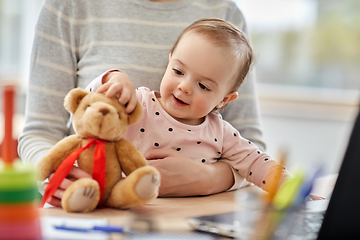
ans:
(341, 220)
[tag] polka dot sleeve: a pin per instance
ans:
(247, 159)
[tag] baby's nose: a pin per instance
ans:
(185, 87)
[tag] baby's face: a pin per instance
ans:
(197, 79)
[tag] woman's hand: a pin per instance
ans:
(182, 176)
(118, 84)
(76, 173)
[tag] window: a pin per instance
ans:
(312, 43)
(17, 23)
(307, 67)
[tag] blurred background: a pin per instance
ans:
(307, 67)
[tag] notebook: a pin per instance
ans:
(341, 220)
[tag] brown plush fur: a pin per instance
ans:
(96, 116)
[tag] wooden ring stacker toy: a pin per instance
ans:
(19, 217)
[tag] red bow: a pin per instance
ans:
(63, 170)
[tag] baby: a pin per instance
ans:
(207, 65)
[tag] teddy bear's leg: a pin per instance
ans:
(139, 187)
(82, 196)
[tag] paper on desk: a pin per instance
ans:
(317, 206)
(50, 233)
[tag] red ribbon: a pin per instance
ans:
(63, 170)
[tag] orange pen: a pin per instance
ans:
(274, 185)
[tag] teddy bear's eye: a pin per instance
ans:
(119, 115)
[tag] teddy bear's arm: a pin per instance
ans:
(56, 155)
(129, 157)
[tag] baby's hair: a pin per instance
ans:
(226, 35)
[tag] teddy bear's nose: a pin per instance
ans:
(104, 111)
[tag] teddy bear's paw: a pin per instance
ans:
(82, 196)
(147, 186)
(82, 199)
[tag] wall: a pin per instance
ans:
(314, 125)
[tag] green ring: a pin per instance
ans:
(17, 176)
(18, 196)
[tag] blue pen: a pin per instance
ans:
(307, 187)
(107, 229)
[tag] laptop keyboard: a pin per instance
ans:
(300, 226)
(313, 223)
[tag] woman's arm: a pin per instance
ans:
(55, 200)
(244, 112)
(52, 75)
(181, 176)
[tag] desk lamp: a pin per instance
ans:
(19, 217)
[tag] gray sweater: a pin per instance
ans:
(77, 40)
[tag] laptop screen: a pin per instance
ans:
(341, 220)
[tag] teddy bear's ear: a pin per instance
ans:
(73, 98)
(135, 115)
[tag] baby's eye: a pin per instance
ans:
(87, 107)
(202, 86)
(177, 72)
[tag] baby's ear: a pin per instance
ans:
(135, 115)
(73, 98)
(228, 98)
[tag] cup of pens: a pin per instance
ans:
(252, 214)
(279, 217)
(19, 217)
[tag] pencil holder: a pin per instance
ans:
(259, 221)
(253, 214)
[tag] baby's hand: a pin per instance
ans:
(118, 84)
(313, 197)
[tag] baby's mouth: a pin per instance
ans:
(180, 101)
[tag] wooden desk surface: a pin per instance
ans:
(170, 214)
(162, 208)
(166, 214)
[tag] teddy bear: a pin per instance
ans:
(98, 147)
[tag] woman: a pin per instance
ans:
(75, 41)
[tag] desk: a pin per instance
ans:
(166, 214)
(170, 214)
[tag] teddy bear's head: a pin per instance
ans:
(97, 116)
